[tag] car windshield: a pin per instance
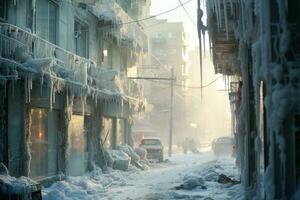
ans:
(151, 142)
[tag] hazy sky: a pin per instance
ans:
(215, 110)
(178, 15)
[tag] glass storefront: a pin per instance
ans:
(77, 151)
(43, 142)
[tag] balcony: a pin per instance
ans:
(24, 47)
(224, 44)
(34, 55)
(114, 20)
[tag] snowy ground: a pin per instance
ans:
(159, 182)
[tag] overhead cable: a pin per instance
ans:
(153, 16)
(187, 13)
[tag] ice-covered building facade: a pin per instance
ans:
(64, 95)
(256, 44)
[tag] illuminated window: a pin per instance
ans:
(105, 52)
(43, 142)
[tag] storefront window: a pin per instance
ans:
(78, 154)
(38, 147)
(43, 142)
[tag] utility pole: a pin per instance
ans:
(171, 79)
(171, 112)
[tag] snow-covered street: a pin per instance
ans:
(191, 176)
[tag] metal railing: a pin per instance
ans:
(123, 26)
(17, 43)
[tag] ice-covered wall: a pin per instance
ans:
(268, 57)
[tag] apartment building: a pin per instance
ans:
(64, 91)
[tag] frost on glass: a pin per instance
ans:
(77, 146)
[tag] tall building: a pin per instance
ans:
(167, 49)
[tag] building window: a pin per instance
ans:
(52, 22)
(123, 132)
(43, 142)
(29, 14)
(158, 35)
(107, 132)
(3, 10)
(78, 153)
(81, 39)
(173, 51)
(46, 20)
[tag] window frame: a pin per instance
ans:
(56, 5)
(36, 20)
(82, 26)
(4, 18)
(81, 151)
(48, 143)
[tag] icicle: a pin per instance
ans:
(28, 87)
(225, 17)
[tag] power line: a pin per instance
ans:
(188, 14)
(191, 87)
(153, 16)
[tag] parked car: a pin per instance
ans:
(223, 145)
(154, 148)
